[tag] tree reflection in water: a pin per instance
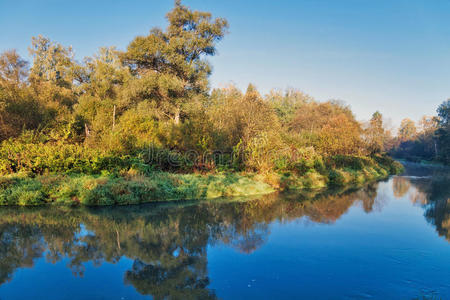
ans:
(168, 242)
(430, 188)
(436, 191)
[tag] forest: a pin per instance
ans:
(428, 140)
(143, 124)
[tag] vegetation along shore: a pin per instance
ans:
(143, 124)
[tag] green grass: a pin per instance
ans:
(133, 187)
(343, 171)
(90, 190)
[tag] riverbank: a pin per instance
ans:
(134, 188)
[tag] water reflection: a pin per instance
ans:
(437, 203)
(428, 187)
(168, 243)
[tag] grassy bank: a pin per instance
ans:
(339, 171)
(133, 187)
(94, 190)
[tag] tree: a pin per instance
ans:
(52, 77)
(100, 103)
(240, 117)
(444, 113)
(170, 64)
(341, 135)
(51, 61)
(428, 126)
(417, 143)
(286, 104)
(13, 71)
(18, 110)
(330, 127)
(407, 130)
(375, 133)
(443, 133)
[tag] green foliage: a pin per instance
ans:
(429, 141)
(375, 134)
(356, 170)
(129, 189)
(443, 132)
(149, 109)
(394, 167)
(21, 191)
(287, 104)
(170, 63)
(39, 157)
(336, 178)
(329, 127)
(351, 162)
(166, 160)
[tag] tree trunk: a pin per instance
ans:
(86, 130)
(435, 149)
(176, 118)
(114, 118)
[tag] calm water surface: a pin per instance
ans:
(389, 240)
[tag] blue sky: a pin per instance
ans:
(387, 55)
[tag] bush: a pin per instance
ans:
(349, 161)
(336, 178)
(392, 166)
(167, 160)
(21, 191)
(62, 158)
(319, 166)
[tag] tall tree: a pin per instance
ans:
(104, 79)
(407, 130)
(444, 113)
(13, 71)
(287, 103)
(428, 126)
(51, 61)
(443, 133)
(375, 134)
(18, 110)
(52, 75)
(170, 64)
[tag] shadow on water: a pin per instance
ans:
(168, 242)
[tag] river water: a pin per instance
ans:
(387, 240)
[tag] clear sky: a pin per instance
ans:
(387, 55)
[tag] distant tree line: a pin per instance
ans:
(429, 139)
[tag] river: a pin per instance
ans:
(387, 240)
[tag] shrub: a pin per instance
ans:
(167, 160)
(392, 166)
(57, 158)
(336, 178)
(349, 161)
(22, 191)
